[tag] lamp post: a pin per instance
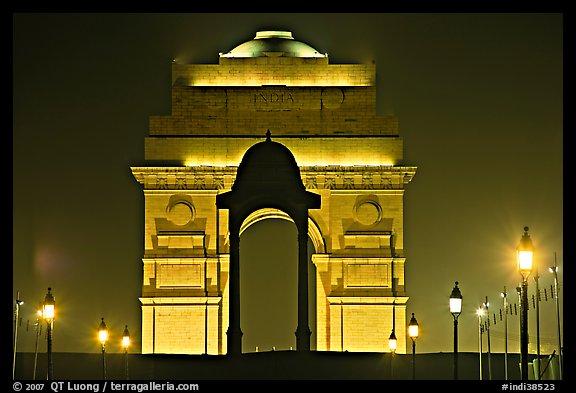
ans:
(536, 278)
(392, 342)
(480, 312)
(455, 310)
(125, 345)
(18, 303)
(505, 300)
(48, 312)
(103, 337)
(486, 305)
(413, 333)
(524, 254)
(554, 270)
(520, 326)
(38, 330)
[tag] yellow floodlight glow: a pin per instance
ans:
(286, 80)
(197, 164)
(342, 163)
(301, 163)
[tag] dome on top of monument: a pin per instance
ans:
(273, 44)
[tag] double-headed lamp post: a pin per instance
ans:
(48, 312)
(455, 310)
(103, 337)
(413, 333)
(480, 313)
(125, 345)
(524, 255)
(505, 299)
(38, 327)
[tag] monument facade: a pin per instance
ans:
(325, 115)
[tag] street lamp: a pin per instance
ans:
(38, 330)
(524, 256)
(486, 305)
(505, 300)
(125, 345)
(480, 312)
(18, 303)
(48, 312)
(554, 270)
(392, 344)
(103, 337)
(455, 310)
(413, 333)
(537, 364)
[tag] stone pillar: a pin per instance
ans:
(234, 333)
(303, 330)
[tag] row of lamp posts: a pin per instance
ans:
(47, 312)
(526, 267)
(412, 332)
(525, 253)
(103, 338)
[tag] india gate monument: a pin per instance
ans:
(273, 131)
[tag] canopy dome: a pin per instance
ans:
(268, 176)
(273, 44)
(269, 164)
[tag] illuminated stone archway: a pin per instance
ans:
(268, 176)
(325, 115)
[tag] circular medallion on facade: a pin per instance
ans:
(180, 213)
(368, 213)
(332, 97)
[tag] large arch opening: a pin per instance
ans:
(268, 177)
(269, 283)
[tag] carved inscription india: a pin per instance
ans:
(272, 98)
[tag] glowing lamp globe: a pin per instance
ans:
(413, 328)
(456, 301)
(524, 255)
(102, 332)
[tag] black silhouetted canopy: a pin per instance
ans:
(268, 176)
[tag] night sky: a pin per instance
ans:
(479, 99)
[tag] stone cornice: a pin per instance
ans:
(333, 177)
